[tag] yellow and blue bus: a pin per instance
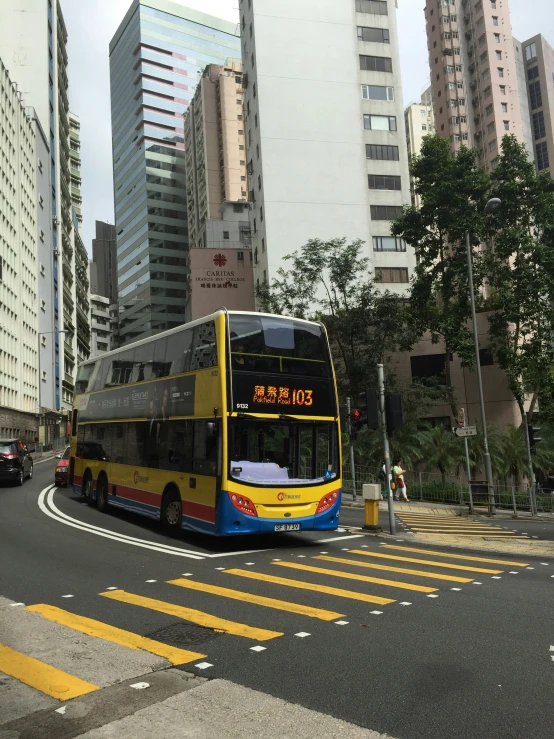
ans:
(226, 425)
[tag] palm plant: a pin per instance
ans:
(476, 450)
(441, 450)
(512, 459)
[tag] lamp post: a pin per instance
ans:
(491, 207)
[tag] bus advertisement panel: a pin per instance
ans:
(228, 425)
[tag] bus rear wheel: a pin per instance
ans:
(102, 493)
(171, 513)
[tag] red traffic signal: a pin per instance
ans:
(356, 415)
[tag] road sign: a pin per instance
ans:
(466, 431)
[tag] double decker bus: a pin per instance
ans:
(226, 425)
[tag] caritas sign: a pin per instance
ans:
(220, 278)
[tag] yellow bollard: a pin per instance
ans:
(372, 496)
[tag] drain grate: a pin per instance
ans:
(184, 635)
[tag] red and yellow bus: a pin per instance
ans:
(226, 425)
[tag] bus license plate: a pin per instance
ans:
(287, 527)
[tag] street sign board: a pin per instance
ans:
(466, 431)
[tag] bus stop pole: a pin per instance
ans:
(388, 476)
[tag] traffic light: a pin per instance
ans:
(369, 409)
(393, 411)
(534, 437)
(355, 423)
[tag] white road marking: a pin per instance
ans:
(476, 583)
(258, 649)
(339, 538)
(63, 709)
(365, 545)
(376, 613)
(275, 560)
(150, 581)
(249, 563)
(342, 623)
(16, 604)
(140, 686)
(112, 587)
(220, 568)
(496, 577)
(545, 563)
(529, 568)
(68, 596)
(302, 556)
(432, 595)
(186, 574)
(345, 549)
(514, 573)
(236, 554)
(405, 603)
(203, 665)
(302, 634)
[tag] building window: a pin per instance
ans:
(380, 122)
(239, 118)
(255, 120)
(378, 151)
(499, 55)
(261, 214)
(506, 125)
(254, 90)
(263, 246)
(497, 38)
(41, 201)
(533, 73)
(377, 92)
(531, 52)
(500, 71)
(490, 127)
(243, 178)
(226, 235)
(379, 35)
(257, 151)
(39, 165)
(502, 89)
(383, 182)
(504, 107)
(488, 110)
(542, 156)
(385, 213)
(486, 358)
(377, 7)
(240, 256)
(424, 127)
(259, 182)
(428, 365)
(539, 127)
(375, 63)
(41, 235)
(42, 305)
(535, 95)
(495, 20)
(388, 243)
(241, 147)
(391, 275)
(493, 4)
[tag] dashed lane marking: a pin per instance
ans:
(113, 634)
(194, 616)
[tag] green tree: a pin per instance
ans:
(441, 450)
(331, 281)
(520, 275)
(453, 192)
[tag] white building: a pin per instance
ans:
(419, 119)
(19, 380)
(100, 325)
(33, 45)
(325, 130)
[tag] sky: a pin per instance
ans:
(92, 24)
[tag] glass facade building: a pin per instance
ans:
(156, 58)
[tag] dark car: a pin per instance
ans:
(62, 468)
(16, 463)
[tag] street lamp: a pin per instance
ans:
(491, 207)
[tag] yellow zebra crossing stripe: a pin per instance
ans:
(351, 594)
(111, 633)
(446, 565)
(41, 676)
(488, 560)
(258, 600)
(403, 570)
(422, 523)
(194, 616)
(353, 576)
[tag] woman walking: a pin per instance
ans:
(399, 473)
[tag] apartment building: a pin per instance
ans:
(100, 325)
(19, 375)
(538, 61)
(325, 131)
(473, 59)
(33, 44)
(157, 55)
(419, 119)
(104, 256)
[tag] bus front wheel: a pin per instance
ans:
(87, 488)
(102, 493)
(171, 512)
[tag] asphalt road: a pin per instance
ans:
(434, 662)
(535, 528)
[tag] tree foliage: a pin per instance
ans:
(453, 193)
(331, 281)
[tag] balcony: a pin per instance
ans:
(68, 349)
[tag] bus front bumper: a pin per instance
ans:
(232, 521)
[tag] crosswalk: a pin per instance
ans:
(251, 605)
(427, 523)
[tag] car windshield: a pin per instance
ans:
(283, 453)
(66, 454)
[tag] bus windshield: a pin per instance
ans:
(274, 345)
(266, 452)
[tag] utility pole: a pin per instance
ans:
(383, 415)
(351, 448)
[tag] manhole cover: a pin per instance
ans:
(184, 635)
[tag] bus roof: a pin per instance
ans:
(191, 324)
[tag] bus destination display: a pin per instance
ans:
(282, 394)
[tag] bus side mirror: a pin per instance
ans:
(212, 429)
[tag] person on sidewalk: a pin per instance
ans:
(399, 473)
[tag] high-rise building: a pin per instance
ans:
(19, 379)
(474, 75)
(33, 44)
(100, 325)
(215, 152)
(420, 122)
(538, 60)
(104, 256)
(156, 57)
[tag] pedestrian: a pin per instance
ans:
(399, 473)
